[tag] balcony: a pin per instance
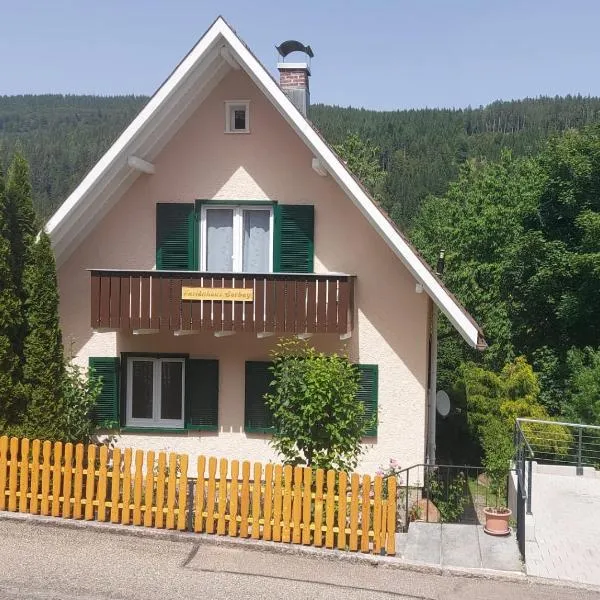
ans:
(189, 301)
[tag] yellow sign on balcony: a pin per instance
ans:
(227, 294)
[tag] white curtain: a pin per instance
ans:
(256, 241)
(219, 240)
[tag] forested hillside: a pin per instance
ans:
(61, 137)
(421, 150)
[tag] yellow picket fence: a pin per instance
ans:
(272, 502)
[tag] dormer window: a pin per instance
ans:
(237, 116)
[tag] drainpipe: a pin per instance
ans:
(432, 409)
(433, 356)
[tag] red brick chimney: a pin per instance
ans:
(293, 80)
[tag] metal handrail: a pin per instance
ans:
(529, 448)
(565, 424)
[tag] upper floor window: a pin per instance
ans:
(237, 116)
(237, 239)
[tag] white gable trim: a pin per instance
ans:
(60, 225)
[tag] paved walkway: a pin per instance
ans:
(564, 534)
(460, 546)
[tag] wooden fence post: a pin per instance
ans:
(35, 477)
(287, 502)
(138, 487)
(366, 513)
(182, 496)
(256, 498)
(24, 480)
(277, 503)
(342, 507)
(125, 512)
(102, 479)
(319, 508)
(90, 482)
(67, 481)
(3, 470)
(115, 486)
(354, 488)
(45, 505)
(149, 489)
(78, 491)
(159, 519)
(307, 506)
(233, 498)
(171, 489)
(56, 479)
(377, 514)
(297, 506)
(268, 502)
(210, 495)
(245, 499)
(330, 509)
(223, 468)
(391, 517)
(199, 500)
(13, 474)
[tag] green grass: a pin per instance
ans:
(482, 496)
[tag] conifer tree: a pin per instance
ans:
(43, 361)
(22, 221)
(10, 397)
(21, 231)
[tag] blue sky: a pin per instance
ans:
(382, 54)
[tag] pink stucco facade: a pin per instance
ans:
(269, 163)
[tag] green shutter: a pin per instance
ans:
(367, 392)
(176, 237)
(202, 394)
(294, 238)
(106, 411)
(257, 413)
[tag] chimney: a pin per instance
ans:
(293, 76)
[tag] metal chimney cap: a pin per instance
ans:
(290, 46)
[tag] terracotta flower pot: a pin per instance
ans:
(496, 520)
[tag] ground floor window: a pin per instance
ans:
(155, 392)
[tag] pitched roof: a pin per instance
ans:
(216, 53)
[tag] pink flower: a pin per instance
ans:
(379, 472)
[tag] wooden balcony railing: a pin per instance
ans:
(276, 302)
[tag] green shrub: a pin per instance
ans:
(318, 419)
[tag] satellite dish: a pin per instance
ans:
(442, 401)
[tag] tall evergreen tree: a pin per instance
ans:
(43, 361)
(10, 400)
(21, 232)
(22, 221)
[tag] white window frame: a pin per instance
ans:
(238, 232)
(230, 105)
(155, 421)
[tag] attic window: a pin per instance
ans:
(237, 116)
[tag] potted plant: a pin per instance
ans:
(498, 452)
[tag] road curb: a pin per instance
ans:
(391, 562)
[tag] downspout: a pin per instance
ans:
(433, 357)
(432, 408)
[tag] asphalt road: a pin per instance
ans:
(43, 562)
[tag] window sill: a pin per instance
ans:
(269, 430)
(153, 430)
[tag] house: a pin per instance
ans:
(218, 221)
